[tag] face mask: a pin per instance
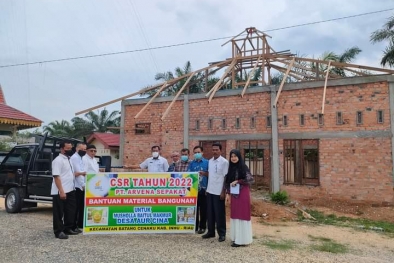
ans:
(155, 154)
(198, 156)
(81, 153)
(69, 153)
(184, 158)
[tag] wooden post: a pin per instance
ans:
(150, 101)
(250, 76)
(177, 95)
(325, 87)
(283, 81)
(217, 85)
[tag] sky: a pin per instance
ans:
(43, 30)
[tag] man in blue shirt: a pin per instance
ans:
(200, 165)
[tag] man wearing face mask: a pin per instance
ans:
(63, 193)
(200, 165)
(175, 159)
(156, 163)
(183, 164)
(79, 173)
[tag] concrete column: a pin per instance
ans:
(275, 187)
(122, 132)
(186, 121)
(391, 95)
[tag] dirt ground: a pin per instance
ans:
(271, 224)
(270, 212)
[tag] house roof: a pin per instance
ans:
(12, 116)
(108, 139)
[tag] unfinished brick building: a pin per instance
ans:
(326, 135)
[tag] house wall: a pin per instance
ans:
(355, 160)
(102, 151)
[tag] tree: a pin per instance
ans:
(102, 121)
(61, 129)
(386, 34)
(80, 127)
(196, 83)
(346, 57)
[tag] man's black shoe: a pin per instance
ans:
(235, 245)
(208, 235)
(70, 232)
(222, 238)
(201, 231)
(78, 230)
(62, 236)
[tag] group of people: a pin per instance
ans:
(219, 181)
(68, 187)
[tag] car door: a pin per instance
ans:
(13, 169)
(40, 176)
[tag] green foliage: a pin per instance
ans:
(196, 84)
(280, 245)
(83, 127)
(280, 197)
(327, 245)
(386, 34)
(4, 146)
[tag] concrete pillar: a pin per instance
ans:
(275, 187)
(122, 132)
(186, 121)
(391, 95)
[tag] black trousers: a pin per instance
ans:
(201, 215)
(63, 212)
(80, 202)
(216, 211)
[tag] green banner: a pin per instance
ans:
(140, 203)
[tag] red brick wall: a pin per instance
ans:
(352, 169)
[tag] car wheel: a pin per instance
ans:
(13, 201)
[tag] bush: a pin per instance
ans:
(280, 197)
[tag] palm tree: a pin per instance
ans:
(82, 127)
(103, 120)
(386, 33)
(61, 129)
(346, 57)
(196, 84)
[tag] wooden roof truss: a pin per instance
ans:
(250, 52)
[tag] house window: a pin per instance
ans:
(359, 117)
(284, 120)
(339, 118)
(253, 122)
(269, 123)
(197, 125)
(237, 123)
(301, 162)
(210, 124)
(302, 119)
(320, 119)
(142, 128)
(254, 159)
(380, 116)
(224, 124)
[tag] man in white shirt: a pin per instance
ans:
(63, 193)
(216, 210)
(79, 173)
(156, 163)
(90, 162)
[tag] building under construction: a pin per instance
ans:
(315, 128)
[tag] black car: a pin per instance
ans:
(26, 173)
